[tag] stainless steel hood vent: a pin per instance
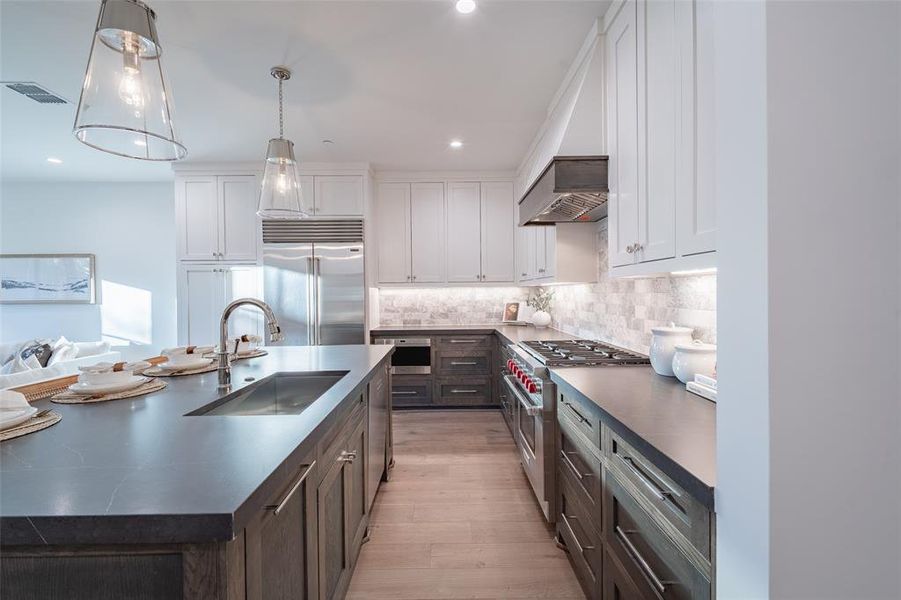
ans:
(570, 189)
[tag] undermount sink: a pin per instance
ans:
(278, 394)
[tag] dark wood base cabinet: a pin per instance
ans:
(302, 542)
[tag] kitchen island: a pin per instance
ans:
(156, 503)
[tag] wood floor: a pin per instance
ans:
(458, 519)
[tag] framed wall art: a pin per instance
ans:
(47, 279)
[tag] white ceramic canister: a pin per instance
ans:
(663, 346)
(693, 359)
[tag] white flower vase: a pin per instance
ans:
(541, 318)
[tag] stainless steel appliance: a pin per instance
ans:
(531, 398)
(412, 356)
(570, 189)
(313, 280)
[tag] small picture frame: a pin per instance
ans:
(511, 312)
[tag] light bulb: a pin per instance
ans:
(281, 180)
(131, 91)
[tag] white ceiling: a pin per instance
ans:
(391, 82)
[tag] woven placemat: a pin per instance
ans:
(154, 385)
(157, 372)
(31, 425)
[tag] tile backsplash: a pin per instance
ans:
(619, 311)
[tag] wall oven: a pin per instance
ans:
(412, 356)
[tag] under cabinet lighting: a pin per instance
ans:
(709, 271)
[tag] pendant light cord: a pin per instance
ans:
(281, 112)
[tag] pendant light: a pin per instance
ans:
(280, 192)
(125, 106)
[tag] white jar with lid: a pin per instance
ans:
(663, 346)
(693, 359)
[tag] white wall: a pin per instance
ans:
(809, 417)
(130, 227)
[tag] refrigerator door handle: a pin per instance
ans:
(311, 298)
(317, 310)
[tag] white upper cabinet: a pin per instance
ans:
(307, 203)
(216, 218)
(660, 137)
(464, 232)
(497, 232)
(427, 232)
(393, 226)
(338, 195)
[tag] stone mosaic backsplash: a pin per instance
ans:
(619, 311)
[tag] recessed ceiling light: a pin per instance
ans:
(456, 144)
(466, 6)
(54, 161)
(328, 142)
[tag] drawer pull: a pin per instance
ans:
(577, 413)
(642, 563)
(277, 508)
(572, 465)
(572, 532)
(347, 457)
(464, 341)
(404, 393)
(455, 391)
(462, 363)
(661, 494)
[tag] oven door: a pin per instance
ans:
(412, 356)
(528, 429)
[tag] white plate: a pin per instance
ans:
(107, 388)
(185, 365)
(17, 416)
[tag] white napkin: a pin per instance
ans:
(198, 350)
(104, 367)
(10, 400)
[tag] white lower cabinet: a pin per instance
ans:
(204, 292)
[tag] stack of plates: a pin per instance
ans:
(16, 416)
(184, 364)
(91, 389)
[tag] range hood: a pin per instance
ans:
(571, 189)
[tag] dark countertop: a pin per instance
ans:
(674, 428)
(139, 471)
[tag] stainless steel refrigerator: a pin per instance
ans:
(313, 280)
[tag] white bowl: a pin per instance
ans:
(694, 359)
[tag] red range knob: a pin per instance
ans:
(523, 377)
(509, 364)
(532, 387)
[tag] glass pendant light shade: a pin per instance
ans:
(280, 194)
(125, 106)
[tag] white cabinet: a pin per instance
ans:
(427, 232)
(410, 224)
(205, 290)
(563, 253)
(216, 218)
(480, 231)
(337, 195)
(659, 136)
(497, 232)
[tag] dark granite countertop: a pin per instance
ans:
(139, 471)
(674, 428)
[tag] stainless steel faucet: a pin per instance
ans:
(275, 335)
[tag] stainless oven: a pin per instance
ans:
(412, 356)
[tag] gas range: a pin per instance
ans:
(581, 353)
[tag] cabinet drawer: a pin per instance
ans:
(651, 559)
(581, 468)
(463, 391)
(581, 418)
(682, 511)
(463, 341)
(476, 361)
(582, 538)
(411, 390)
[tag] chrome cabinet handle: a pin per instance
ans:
(403, 393)
(414, 278)
(630, 249)
(460, 362)
(277, 508)
(464, 341)
(455, 391)
(572, 532)
(572, 465)
(661, 494)
(642, 563)
(524, 275)
(408, 278)
(577, 414)
(347, 457)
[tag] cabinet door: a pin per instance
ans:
(243, 282)
(623, 134)
(357, 505)
(307, 192)
(393, 224)
(239, 230)
(464, 232)
(338, 195)
(281, 543)
(334, 554)
(541, 257)
(197, 217)
(550, 251)
(657, 116)
(202, 300)
(498, 262)
(379, 409)
(427, 232)
(525, 248)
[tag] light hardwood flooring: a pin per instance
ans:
(458, 518)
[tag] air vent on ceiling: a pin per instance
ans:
(30, 89)
(291, 231)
